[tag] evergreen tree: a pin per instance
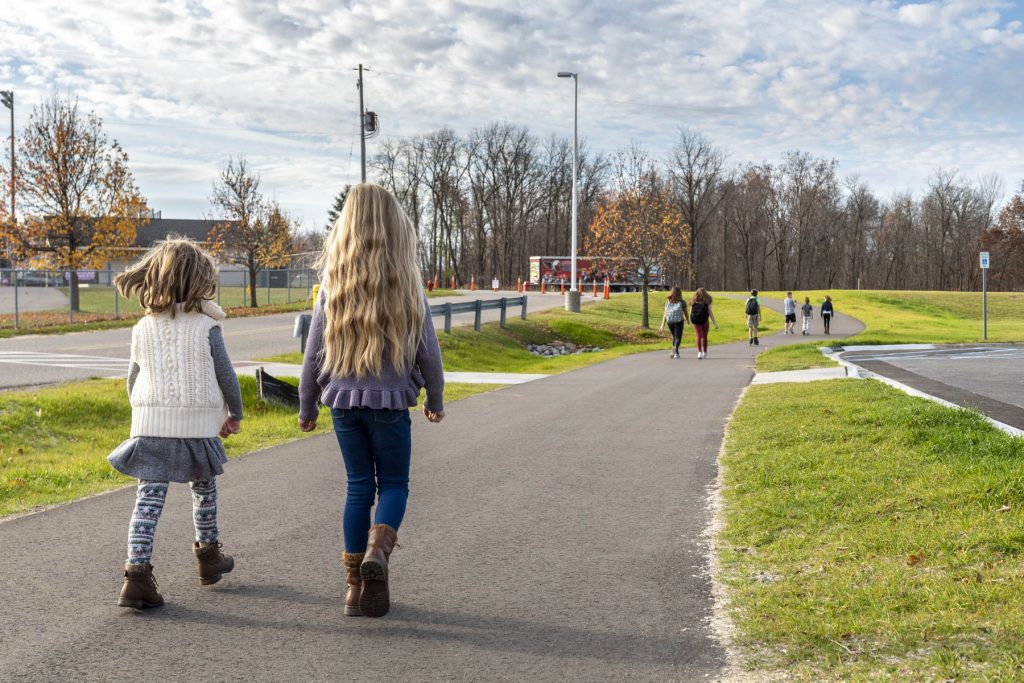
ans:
(339, 204)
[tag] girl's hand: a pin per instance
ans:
(661, 329)
(716, 326)
(433, 415)
(307, 425)
(230, 427)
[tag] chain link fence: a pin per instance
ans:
(37, 299)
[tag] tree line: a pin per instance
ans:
(484, 202)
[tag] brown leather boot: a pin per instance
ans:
(375, 600)
(354, 583)
(139, 589)
(212, 563)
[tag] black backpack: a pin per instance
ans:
(699, 314)
(753, 308)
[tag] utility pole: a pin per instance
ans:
(8, 100)
(362, 128)
(572, 297)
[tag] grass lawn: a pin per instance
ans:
(794, 357)
(612, 325)
(924, 317)
(55, 441)
(871, 535)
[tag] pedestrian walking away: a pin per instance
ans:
(184, 395)
(789, 304)
(371, 349)
(753, 311)
(807, 312)
(826, 313)
(700, 315)
(674, 315)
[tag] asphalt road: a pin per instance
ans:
(554, 532)
(49, 359)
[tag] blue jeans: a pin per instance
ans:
(376, 446)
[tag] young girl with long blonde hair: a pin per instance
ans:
(371, 349)
(184, 394)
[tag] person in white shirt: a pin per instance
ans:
(790, 310)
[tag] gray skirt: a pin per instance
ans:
(154, 458)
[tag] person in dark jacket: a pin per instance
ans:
(826, 313)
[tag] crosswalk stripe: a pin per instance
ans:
(103, 364)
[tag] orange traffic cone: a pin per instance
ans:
(595, 288)
(607, 289)
(543, 287)
(519, 284)
(453, 282)
(563, 286)
(472, 283)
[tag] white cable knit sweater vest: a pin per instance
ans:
(176, 392)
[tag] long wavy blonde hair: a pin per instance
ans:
(175, 271)
(373, 298)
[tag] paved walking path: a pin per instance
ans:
(31, 299)
(289, 370)
(554, 533)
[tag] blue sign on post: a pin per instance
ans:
(984, 294)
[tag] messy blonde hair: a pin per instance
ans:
(701, 296)
(175, 271)
(373, 298)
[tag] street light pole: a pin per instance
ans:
(8, 99)
(572, 297)
(362, 127)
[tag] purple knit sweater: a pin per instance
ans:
(393, 390)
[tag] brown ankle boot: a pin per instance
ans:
(375, 600)
(354, 583)
(139, 589)
(212, 563)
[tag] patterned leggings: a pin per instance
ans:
(149, 503)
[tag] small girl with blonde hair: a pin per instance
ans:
(371, 349)
(184, 394)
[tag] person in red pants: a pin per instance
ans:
(700, 315)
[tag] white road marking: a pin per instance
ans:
(103, 364)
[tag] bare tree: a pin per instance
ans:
(254, 232)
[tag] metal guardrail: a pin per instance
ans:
(478, 307)
(303, 320)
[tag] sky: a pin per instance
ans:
(892, 90)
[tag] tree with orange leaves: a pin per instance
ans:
(79, 205)
(255, 233)
(640, 222)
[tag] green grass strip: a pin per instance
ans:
(55, 441)
(873, 536)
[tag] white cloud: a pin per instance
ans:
(888, 89)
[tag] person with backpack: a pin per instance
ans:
(807, 311)
(674, 315)
(753, 310)
(700, 313)
(826, 313)
(789, 304)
